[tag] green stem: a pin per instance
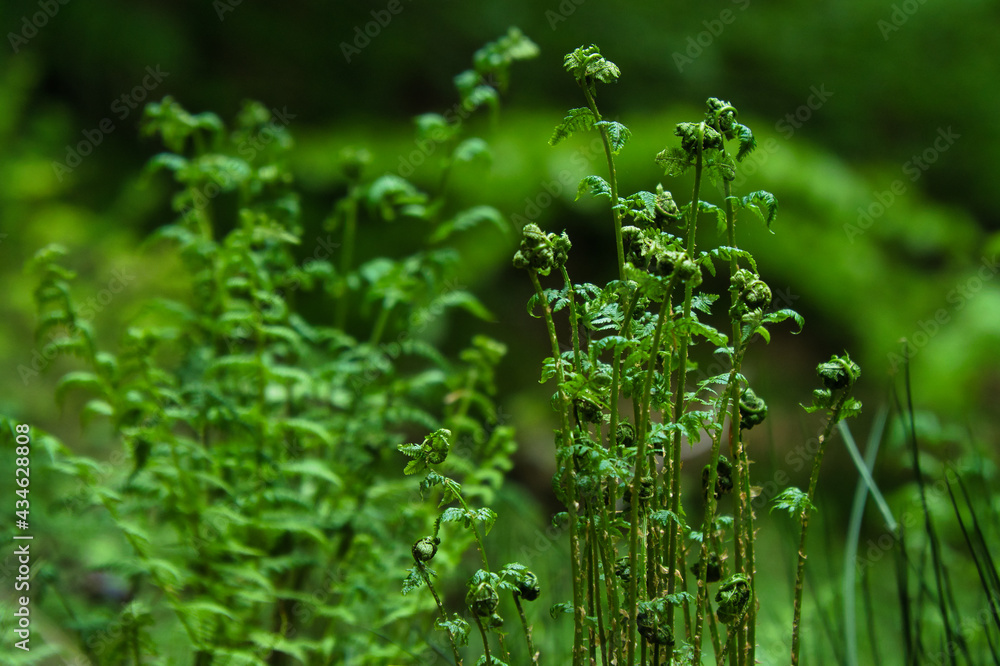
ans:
(574, 322)
(456, 489)
(350, 213)
(527, 630)
(486, 642)
(743, 519)
(379, 328)
(579, 611)
(593, 590)
(642, 440)
(673, 536)
(613, 182)
(444, 615)
(800, 570)
(714, 632)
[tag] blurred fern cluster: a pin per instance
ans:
(259, 498)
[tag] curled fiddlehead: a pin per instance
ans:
(733, 599)
(753, 409)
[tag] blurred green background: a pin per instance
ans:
(877, 131)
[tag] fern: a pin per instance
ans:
(576, 120)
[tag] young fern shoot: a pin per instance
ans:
(838, 376)
(632, 344)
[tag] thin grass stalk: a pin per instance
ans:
(950, 634)
(866, 596)
(980, 570)
(902, 587)
(991, 581)
(849, 581)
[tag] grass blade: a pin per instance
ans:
(854, 526)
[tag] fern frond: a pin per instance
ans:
(576, 120)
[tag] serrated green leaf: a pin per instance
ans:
(618, 134)
(577, 120)
(558, 609)
(793, 500)
(453, 514)
(587, 65)
(411, 450)
(415, 467)
(414, 579)
(674, 161)
(595, 186)
(759, 202)
(781, 315)
(747, 141)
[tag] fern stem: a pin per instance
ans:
(613, 182)
(673, 535)
(350, 213)
(800, 570)
(708, 527)
(579, 611)
(743, 518)
(532, 653)
(486, 642)
(444, 615)
(573, 320)
(642, 440)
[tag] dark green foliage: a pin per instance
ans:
(635, 334)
